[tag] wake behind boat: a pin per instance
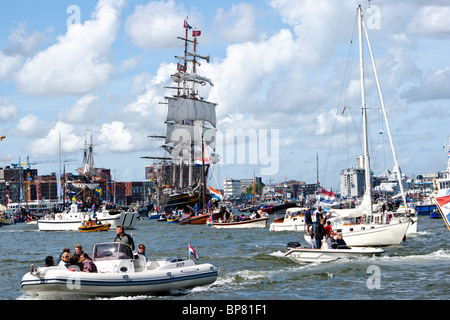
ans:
(119, 273)
(308, 255)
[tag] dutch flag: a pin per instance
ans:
(192, 252)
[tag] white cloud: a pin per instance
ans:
(23, 44)
(49, 145)
(8, 110)
(147, 107)
(246, 70)
(79, 62)
(431, 21)
(30, 126)
(157, 24)
(115, 137)
(435, 85)
(87, 108)
(238, 23)
(9, 65)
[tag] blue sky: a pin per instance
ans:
(275, 64)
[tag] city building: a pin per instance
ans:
(232, 188)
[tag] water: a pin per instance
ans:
(251, 264)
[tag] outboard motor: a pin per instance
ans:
(293, 244)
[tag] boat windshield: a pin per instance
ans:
(112, 251)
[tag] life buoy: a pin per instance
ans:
(60, 216)
(89, 224)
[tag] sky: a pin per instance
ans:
(283, 71)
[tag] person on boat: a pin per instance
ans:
(88, 264)
(65, 258)
(318, 214)
(329, 240)
(340, 242)
(65, 250)
(232, 217)
(319, 232)
(123, 237)
(328, 228)
(312, 241)
(75, 259)
(141, 250)
(308, 219)
(49, 262)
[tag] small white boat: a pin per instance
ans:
(293, 220)
(71, 219)
(251, 223)
(119, 273)
(308, 255)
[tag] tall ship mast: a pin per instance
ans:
(190, 128)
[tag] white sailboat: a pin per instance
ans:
(361, 226)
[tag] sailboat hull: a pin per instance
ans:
(373, 234)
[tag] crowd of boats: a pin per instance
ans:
(362, 230)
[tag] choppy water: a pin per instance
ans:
(251, 264)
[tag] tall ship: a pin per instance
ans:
(180, 175)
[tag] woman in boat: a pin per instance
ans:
(340, 242)
(65, 260)
(88, 264)
(141, 250)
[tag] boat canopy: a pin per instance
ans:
(112, 251)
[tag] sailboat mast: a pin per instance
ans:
(397, 167)
(203, 175)
(364, 112)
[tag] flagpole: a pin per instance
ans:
(189, 251)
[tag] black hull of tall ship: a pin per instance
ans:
(182, 201)
(277, 207)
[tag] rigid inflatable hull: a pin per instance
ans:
(62, 282)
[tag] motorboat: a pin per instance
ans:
(72, 218)
(244, 224)
(92, 227)
(293, 220)
(119, 273)
(203, 217)
(300, 254)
